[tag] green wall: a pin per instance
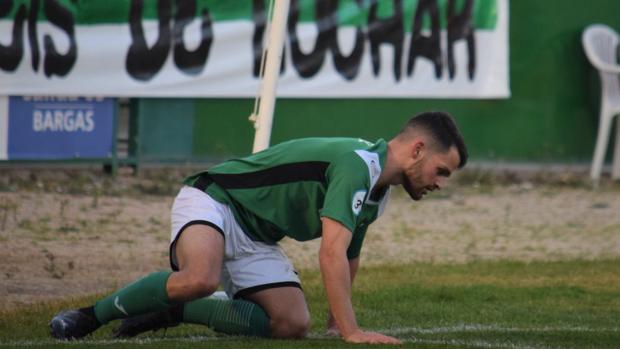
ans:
(163, 129)
(551, 116)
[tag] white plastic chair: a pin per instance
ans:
(600, 43)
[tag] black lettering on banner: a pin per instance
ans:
(425, 46)
(347, 66)
(32, 34)
(144, 62)
(386, 31)
(191, 63)
(260, 23)
(54, 62)
(307, 65)
(11, 55)
(460, 27)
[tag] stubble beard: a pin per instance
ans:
(415, 194)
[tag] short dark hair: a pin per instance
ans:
(442, 128)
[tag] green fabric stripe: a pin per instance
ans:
(235, 317)
(89, 12)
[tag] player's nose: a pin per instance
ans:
(439, 183)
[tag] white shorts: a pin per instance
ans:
(248, 265)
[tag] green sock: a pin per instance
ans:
(142, 296)
(236, 317)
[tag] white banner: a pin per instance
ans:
(105, 59)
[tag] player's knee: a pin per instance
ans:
(199, 287)
(189, 285)
(290, 325)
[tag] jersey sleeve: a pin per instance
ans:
(355, 247)
(348, 184)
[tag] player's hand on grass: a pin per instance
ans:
(360, 336)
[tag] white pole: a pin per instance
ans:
(269, 82)
(4, 127)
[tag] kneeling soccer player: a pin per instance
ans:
(226, 223)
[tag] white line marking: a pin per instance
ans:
(491, 328)
(475, 343)
(139, 341)
(395, 331)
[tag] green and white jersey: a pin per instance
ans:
(286, 189)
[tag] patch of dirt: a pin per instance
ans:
(64, 238)
(60, 245)
(516, 222)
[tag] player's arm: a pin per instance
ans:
(332, 328)
(336, 273)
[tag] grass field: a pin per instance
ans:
(572, 304)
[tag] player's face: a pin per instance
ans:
(430, 172)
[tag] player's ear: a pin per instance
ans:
(418, 149)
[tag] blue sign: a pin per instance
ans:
(60, 128)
